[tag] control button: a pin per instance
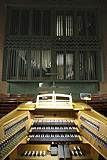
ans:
(36, 153)
(25, 153)
(44, 153)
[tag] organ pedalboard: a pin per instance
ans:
(53, 130)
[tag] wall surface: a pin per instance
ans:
(67, 88)
(77, 2)
(3, 85)
(103, 85)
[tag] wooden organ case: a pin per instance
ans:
(53, 128)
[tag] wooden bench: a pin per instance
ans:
(98, 102)
(8, 102)
(22, 97)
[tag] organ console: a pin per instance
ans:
(53, 128)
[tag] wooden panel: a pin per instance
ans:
(96, 137)
(13, 154)
(55, 114)
(97, 146)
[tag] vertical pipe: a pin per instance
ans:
(17, 65)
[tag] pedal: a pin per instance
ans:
(53, 151)
(67, 152)
(60, 152)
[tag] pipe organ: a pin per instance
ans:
(53, 128)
